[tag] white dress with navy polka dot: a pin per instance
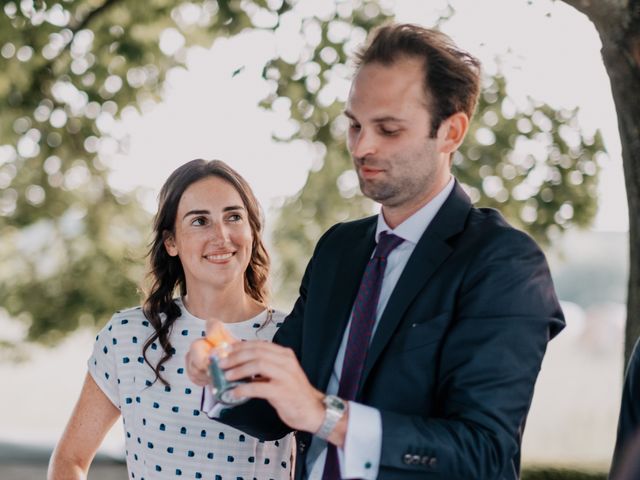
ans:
(167, 436)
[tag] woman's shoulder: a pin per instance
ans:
(272, 323)
(278, 316)
(127, 319)
(131, 311)
(128, 315)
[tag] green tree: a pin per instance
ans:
(618, 24)
(532, 163)
(72, 246)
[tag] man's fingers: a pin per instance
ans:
(258, 346)
(251, 351)
(256, 389)
(267, 368)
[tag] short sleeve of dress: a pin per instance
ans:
(267, 332)
(102, 363)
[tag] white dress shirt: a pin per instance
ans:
(360, 456)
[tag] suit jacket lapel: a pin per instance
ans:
(354, 258)
(430, 252)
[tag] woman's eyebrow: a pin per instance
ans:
(230, 208)
(196, 212)
(233, 207)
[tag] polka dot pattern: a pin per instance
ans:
(166, 436)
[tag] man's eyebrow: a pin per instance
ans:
(388, 118)
(383, 119)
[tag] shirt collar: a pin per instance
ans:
(413, 227)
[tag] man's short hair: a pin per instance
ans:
(451, 75)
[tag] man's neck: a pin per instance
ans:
(395, 215)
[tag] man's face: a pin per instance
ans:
(397, 163)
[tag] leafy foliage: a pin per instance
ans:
(531, 162)
(72, 246)
(618, 25)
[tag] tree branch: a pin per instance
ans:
(46, 71)
(617, 22)
(93, 13)
(599, 11)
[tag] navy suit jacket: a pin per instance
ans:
(454, 360)
(626, 455)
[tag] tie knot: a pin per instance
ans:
(386, 243)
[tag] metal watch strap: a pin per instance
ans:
(334, 410)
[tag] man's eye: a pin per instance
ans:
(388, 132)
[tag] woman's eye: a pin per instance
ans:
(199, 221)
(236, 217)
(354, 126)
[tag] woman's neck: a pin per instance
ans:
(229, 306)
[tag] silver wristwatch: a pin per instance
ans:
(334, 409)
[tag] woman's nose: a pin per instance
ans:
(219, 234)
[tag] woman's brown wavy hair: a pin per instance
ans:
(165, 273)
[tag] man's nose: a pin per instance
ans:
(363, 144)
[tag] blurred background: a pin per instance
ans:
(101, 100)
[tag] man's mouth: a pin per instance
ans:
(370, 172)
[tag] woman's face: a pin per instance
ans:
(212, 235)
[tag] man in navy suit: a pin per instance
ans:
(626, 455)
(464, 303)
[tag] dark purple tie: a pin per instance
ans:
(362, 322)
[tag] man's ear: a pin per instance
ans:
(170, 243)
(452, 131)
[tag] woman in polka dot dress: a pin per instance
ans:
(207, 243)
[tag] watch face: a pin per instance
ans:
(334, 403)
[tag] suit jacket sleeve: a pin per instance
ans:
(629, 421)
(257, 417)
(505, 313)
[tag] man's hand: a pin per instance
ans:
(279, 379)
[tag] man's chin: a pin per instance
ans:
(379, 195)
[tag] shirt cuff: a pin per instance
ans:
(209, 405)
(360, 456)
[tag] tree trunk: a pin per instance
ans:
(618, 24)
(621, 55)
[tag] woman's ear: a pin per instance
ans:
(452, 131)
(170, 243)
